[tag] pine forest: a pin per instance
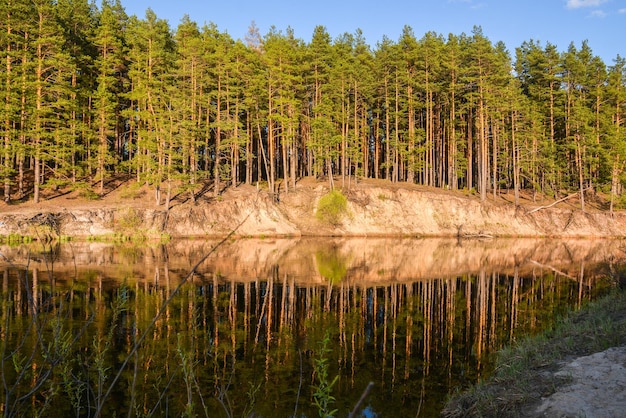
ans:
(89, 93)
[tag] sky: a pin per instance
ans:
(559, 22)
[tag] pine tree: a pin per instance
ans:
(410, 89)
(193, 102)
(431, 48)
(451, 63)
(615, 144)
(111, 68)
(150, 114)
(386, 72)
(484, 77)
(218, 46)
(77, 20)
(362, 86)
(539, 71)
(237, 140)
(253, 102)
(52, 72)
(343, 92)
(13, 35)
(281, 52)
(579, 121)
(319, 124)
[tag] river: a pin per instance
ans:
(277, 327)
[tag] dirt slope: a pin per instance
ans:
(374, 208)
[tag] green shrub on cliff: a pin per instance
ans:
(332, 207)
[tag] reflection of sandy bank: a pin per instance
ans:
(395, 259)
(314, 260)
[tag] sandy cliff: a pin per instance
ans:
(374, 208)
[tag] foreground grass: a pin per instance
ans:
(524, 371)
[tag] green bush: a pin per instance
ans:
(332, 207)
(85, 190)
(129, 220)
(132, 191)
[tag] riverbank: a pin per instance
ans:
(373, 208)
(576, 369)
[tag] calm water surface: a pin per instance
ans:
(137, 331)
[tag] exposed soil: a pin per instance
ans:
(375, 208)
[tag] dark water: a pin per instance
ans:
(128, 330)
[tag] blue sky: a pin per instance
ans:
(601, 22)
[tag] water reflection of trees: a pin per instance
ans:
(229, 345)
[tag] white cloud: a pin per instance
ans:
(598, 13)
(621, 11)
(576, 4)
(478, 6)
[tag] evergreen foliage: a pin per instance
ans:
(89, 92)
